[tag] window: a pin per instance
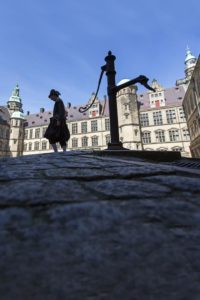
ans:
(94, 127)
(126, 106)
(126, 115)
(144, 119)
(173, 135)
(171, 116)
(177, 149)
(157, 103)
(160, 136)
(186, 135)
(146, 137)
(84, 141)
(84, 127)
(157, 118)
(182, 115)
(25, 147)
(37, 133)
(30, 146)
(43, 131)
(74, 143)
(31, 134)
(107, 139)
(107, 124)
(26, 134)
(95, 141)
(36, 145)
(44, 145)
(74, 128)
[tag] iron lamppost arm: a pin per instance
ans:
(140, 79)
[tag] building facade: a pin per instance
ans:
(149, 121)
(163, 122)
(4, 132)
(191, 105)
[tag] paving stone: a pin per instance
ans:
(78, 173)
(42, 192)
(182, 183)
(120, 188)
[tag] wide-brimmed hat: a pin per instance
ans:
(54, 93)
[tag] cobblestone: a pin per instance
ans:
(77, 226)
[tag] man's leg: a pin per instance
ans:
(54, 146)
(63, 145)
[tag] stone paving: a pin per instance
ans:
(78, 226)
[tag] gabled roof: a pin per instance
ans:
(173, 97)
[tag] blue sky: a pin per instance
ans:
(62, 44)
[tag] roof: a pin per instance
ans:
(173, 97)
(17, 115)
(43, 118)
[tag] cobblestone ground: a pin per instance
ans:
(76, 226)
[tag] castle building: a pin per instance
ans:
(12, 126)
(191, 105)
(147, 121)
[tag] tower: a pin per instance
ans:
(128, 117)
(14, 103)
(190, 62)
(14, 106)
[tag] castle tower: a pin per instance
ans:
(14, 105)
(190, 62)
(128, 117)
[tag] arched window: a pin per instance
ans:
(74, 143)
(95, 140)
(177, 148)
(186, 135)
(84, 141)
(107, 139)
(173, 135)
(36, 145)
(160, 136)
(146, 137)
(44, 145)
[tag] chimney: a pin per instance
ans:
(28, 113)
(42, 110)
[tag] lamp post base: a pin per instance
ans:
(116, 146)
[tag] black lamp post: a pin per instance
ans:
(112, 90)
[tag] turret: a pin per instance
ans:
(190, 62)
(16, 123)
(14, 103)
(128, 117)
